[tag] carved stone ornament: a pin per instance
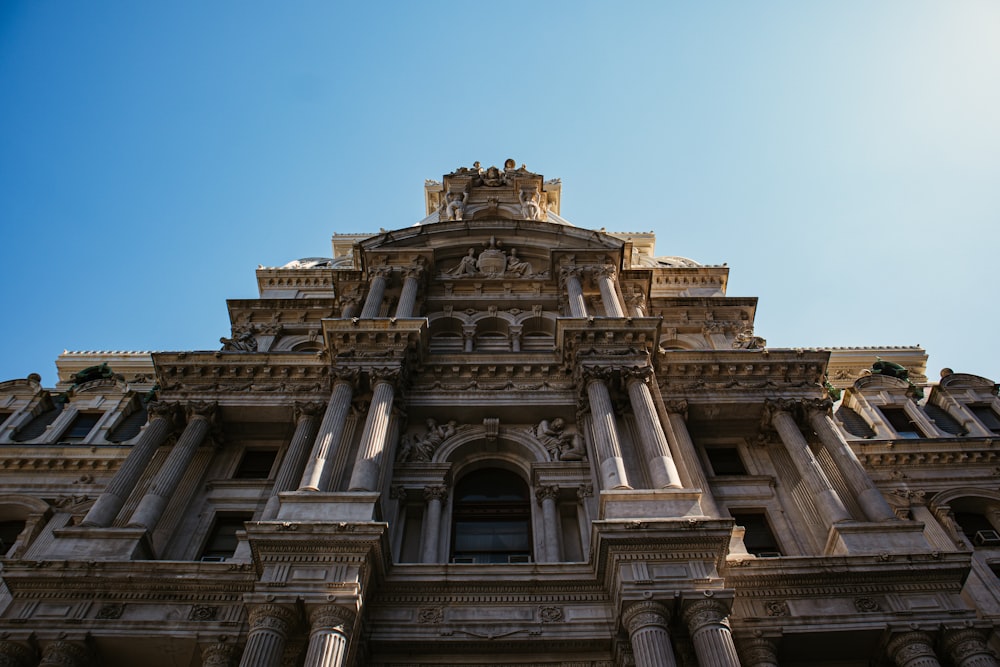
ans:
(243, 339)
(699, 614)
(437, 492)
(302, 410)
(110, 612)
(201, 612)
(224, 653)
(550, 614)
(430, 615)
(909, 646)
(13, 654)
(776, 608)
(643, 614)
(422, 447)
(559, 443)
(758, 652)
(547, 492)
(272, 617)
(332, 617)
(967, 643)
(63, 653)
(866, 605)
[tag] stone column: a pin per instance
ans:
(647, 632)
(913, 649)
(469, 336)
(609, 295)
(375, 437)
(306, 418)
(435, 497)
(516, 330)
(109, 503)
(318, 471)
(827, 501)
(680, 440)
(758, 652)
(329, 632)
(152, 505)
(348, 307)
(967, 648)
(376, 292)
(710, 633)
(223, 653)
(605, 431)
(408, 297)
(550, 519)
(63, 653)
(574, 292)
(662, 469)
(270, 625)
(872, 501)
(13, 654)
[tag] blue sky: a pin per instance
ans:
(843, 158)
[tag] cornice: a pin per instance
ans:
(927, 452)
(275, 373)
(712, 370)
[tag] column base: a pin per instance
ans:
(857, 537)
(99, 544)
(650, 504)
(329, 507)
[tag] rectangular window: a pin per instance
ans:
(901, 422)
(256, 464)
(725, 460)
(987, 416)
(758, 539)
(222, 542)
(81, 427)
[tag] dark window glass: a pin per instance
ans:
(222, 540)
(129, 427)
(726, 460)
(901, 423)
(81, 427)
(37, 426)
(972, 523)
(9, 530)
(759, 539)
(492, 518)
(3, 417)
(255, 464)
(987, 416)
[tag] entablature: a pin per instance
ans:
(244, 374)
(295, 282)
(384, 338)
(603, 339)
(763, 373)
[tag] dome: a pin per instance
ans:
(310, 263)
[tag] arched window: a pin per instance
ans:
(491, 515)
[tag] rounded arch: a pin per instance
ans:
(970, 493)
(297, 343)
(520, 449)
(14, 506)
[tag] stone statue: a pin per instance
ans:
(745, 340)
(422, 448)
(561, 446)
(516, 267)
(493, 177)
(466, 267)
(529, 205)
(243, 340)
(455, 205)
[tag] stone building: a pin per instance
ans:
(495, 438)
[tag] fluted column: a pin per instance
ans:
(435, 497)
(270, 625)
(348, 307)
(223, 653)
(646, 623)
(872, 501)
(290, 472)
(63, 653)
(609, 295)
(710, 633)
(967, 648)
(913, 649)
(329, 632)
(680, 439)
(550, 519)
(605, 430)
(662, 469)
(408, 297)
(152, 505)
(161, 425)
(318, 471)
(13, 654)
(375, 437)
(758, 652)
(574, 292)
(823, 493)
(376, 292)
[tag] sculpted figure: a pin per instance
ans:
(561, 446)
(467, 267)
(243, 340)
(493, 177)
(529, 206)
(516, 266)
(455, 205)
(423, 448)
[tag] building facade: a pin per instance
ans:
(495, 438)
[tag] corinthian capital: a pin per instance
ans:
(204, 409)
(643, 614)
(332, 617)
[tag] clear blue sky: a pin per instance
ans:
(842, 157)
